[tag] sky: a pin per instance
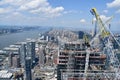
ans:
(58, 13)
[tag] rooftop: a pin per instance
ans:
(5, 74)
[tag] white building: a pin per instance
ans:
(5, 75)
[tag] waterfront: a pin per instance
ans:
(9, 39)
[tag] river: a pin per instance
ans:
(8, 39)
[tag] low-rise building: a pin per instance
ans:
(5, 75)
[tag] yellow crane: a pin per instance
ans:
(103, 30)
(114, 62)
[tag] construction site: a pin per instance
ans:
(90, 58)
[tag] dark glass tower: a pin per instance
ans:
(28, 68)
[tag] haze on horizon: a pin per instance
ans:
(66, 13)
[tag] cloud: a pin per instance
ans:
(115, 3)
(5, 10)
(2, 10)
(82, 21)
(2, 2)
(103, 18)
(13, 2)
(49, 11)
(34, 4)
(70, 11)
(118, 11)
(42, 7)
(105, 11)
(17, 14)
(31, 7)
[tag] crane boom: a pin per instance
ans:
(102, 27)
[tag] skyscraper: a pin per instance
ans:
(16, 61)
(22, 54)
(41, 56)
(80, 34)
(30, 50)
(28, 75)
(10, 59)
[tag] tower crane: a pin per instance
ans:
(106, 33)
(102, 32)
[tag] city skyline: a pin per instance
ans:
(58, 13)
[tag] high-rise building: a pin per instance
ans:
(41, 56)
(16, 61)
(22, 54)
(80, 34)
(30, 50)
(10, 59)
(28, 75)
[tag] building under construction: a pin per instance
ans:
(89, 60)
(72, 59)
